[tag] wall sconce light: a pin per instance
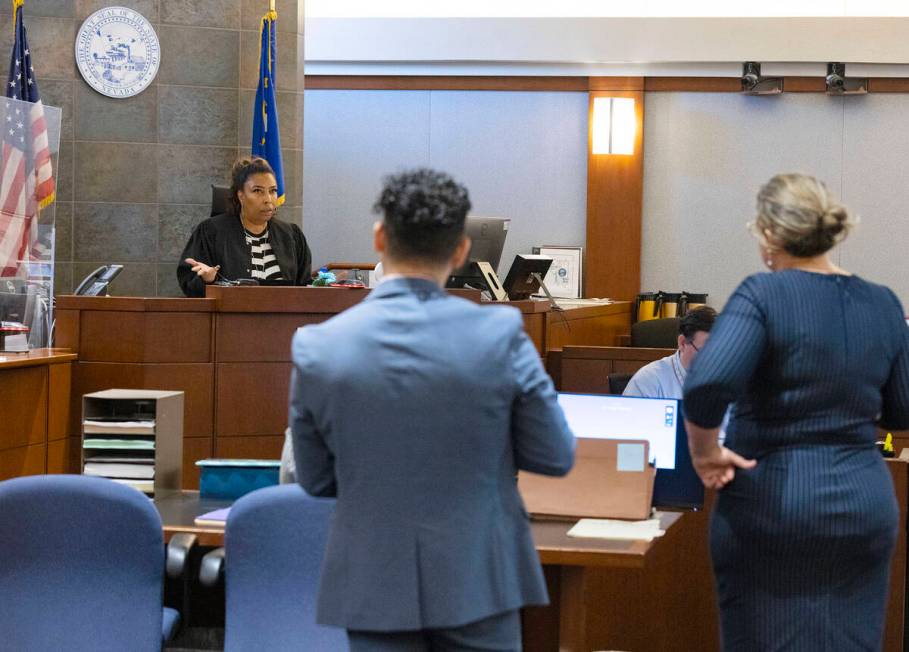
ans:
(614, 125)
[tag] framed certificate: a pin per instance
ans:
(565, 277)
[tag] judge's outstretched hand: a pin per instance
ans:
(206, 273)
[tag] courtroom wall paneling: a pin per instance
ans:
(875, 153)
(24, 460)
(58, 400)
(522, 155)
(251, 399)
(586, 368)
(894, 624)
(586, 376)
(194, 449)
(252, 337)
(196, 380)
(260, 447)
(66, 329)
(64, 455)
(614, 200)
(351, 140)
(23, 410)
(535, 325)
(108, 336)
(707, 156)
(593, 326)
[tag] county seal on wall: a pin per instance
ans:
(117, 52)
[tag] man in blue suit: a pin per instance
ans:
(416, 409)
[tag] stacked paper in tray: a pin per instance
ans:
(137, 471)
(145, 486)
(130, 444)
(105, 426)
(122, 451)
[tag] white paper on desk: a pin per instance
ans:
(605, 528)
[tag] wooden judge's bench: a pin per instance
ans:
(230, 354)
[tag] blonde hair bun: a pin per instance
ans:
(800, 215)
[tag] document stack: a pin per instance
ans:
(134, 437)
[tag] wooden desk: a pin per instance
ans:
(34, 405)
(578, 324)
(598, 325)
(571, 559)
(230, 354)
(585, 368)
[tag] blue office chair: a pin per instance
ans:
(274, 543)
(81, 567)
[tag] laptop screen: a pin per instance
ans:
(659, 421)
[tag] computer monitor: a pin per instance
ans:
(525, 275)
(14, 307)
(659, 421)
(487, 238)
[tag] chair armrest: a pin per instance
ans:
(212, 567)
(178, 550)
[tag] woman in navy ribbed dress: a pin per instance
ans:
(815, 359)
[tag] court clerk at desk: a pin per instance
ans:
(247, 241)
(665, 377)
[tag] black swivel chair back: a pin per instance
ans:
(219, 198)
(656, 333)
(618, 382)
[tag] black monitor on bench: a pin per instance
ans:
(487, 237)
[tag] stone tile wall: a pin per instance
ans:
(134, 175)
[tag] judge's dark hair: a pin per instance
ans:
(242, 169)
(424, 212)
(698, 319)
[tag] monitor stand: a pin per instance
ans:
(492, 281)
(552, 303)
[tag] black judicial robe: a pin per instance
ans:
(221, 240)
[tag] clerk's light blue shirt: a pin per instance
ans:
(661, 378)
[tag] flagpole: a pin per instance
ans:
(271, 5)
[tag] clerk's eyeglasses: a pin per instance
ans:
(695, 346)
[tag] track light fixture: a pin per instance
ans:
(754, 84)
(839, 84)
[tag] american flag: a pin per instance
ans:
(26, 178)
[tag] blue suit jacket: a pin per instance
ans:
(415, 409)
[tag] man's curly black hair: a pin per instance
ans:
(424, 212)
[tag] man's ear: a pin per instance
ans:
(460, 252)
(379, 237)
(681, 341)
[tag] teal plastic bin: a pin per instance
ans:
(229, 479)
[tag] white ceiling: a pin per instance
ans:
(591, 46)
